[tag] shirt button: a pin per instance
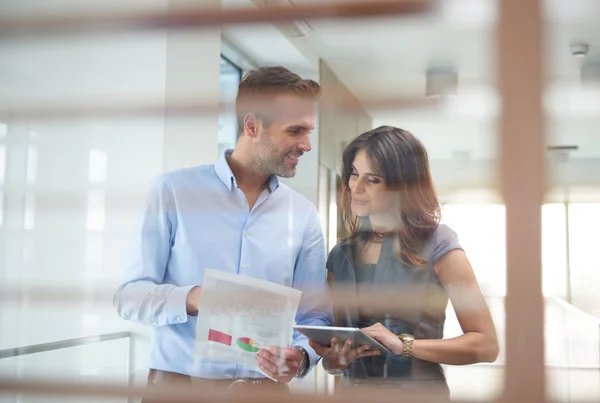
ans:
(245, 235)
(179, 319)
(243, 267)
(155, 320)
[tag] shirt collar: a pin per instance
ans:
(226, 175)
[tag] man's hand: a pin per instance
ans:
(280, 363)
(192, 301)
(340, 355)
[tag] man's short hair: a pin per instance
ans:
(258, 88)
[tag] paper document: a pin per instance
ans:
(239, 314)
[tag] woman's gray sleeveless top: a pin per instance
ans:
(423, 317)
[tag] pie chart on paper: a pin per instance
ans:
(247, 344)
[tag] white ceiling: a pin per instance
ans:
(389, 56)
(268, 44)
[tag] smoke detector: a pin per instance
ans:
(579, 49)
(442, 83)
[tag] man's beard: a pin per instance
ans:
(270, 161)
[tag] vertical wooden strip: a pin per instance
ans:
(521, 81)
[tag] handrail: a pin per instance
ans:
(58, 345)
(573, 309)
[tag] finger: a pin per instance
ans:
(266, 354)
(369, 330)
(288, 353)
(367, 354)
(346, 348)
(346, 352)
(365, 351)
(361, 351)
(375, 333)
(323, 351)
(268, 367)
(278, 368)
(270, 358)
(275, 350)
(362, 348)
(335, 345)
(283, 364)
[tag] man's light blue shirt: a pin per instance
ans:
(197, 218)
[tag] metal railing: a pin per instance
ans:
(70, 343)
(59, 345)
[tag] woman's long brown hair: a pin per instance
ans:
(400, 158)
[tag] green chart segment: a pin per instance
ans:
(247, 344)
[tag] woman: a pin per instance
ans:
(395, 240)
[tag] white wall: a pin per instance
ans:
(193, 67)
(63, 228)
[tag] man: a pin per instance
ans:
(233, 216)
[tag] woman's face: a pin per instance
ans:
(370, 195)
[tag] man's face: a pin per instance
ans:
(280, 145)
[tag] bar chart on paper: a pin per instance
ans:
(219, 337)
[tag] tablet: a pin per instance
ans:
(324, 334)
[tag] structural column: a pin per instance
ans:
(521, 82)
(193, 70)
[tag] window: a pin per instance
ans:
(584, 219)
(481, 232)
(554, 250)
(229, 80)
(485, 244)
(3, 131)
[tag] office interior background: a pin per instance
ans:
(71, 187)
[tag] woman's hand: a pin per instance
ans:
(385, 337)
(340, 355)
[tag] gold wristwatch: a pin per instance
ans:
(407, 343)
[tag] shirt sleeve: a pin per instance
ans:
(310, 277)
(445, 240)
(142, 297)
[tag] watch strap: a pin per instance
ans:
(407, 343)
(304, 365)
